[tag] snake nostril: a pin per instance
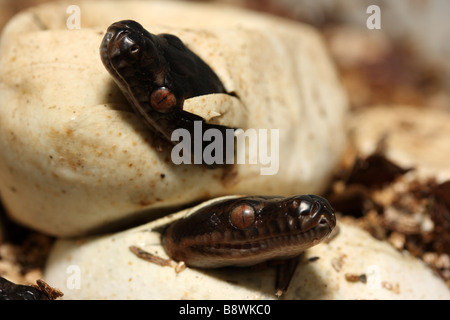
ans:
(108, 36)
(134, 49)
(315, 207)
(323, 220)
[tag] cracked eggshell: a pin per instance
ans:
(74, 157)
(104, 268)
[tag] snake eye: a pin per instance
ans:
(163, 100)
(242, 216)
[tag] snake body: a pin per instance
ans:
(40, 291)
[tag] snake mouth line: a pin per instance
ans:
(276, 244)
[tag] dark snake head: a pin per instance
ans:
(246, 231)
(135, 59)
(156, 73)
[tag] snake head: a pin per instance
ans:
(311, 212)
(127, 42)
(250, 230)
(135, 59)
(156, 73)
